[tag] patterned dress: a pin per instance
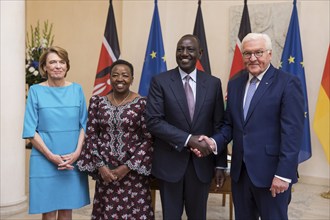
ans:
(117, 135)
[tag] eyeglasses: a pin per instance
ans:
(257, 54)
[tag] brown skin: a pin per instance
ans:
(187, 54)
(201, 146)
(121, 79)
(220, 176)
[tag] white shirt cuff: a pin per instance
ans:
(215, 151)
(284, 179)
(186, 143)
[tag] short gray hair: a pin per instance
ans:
(258, 36)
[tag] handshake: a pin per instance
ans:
(201, 145)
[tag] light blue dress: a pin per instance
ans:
(57, 114)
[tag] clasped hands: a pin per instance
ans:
(201, 145)
(113, 175)
(64, 162)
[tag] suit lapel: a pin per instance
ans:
(241, 92)
(201, 90)
(266, 81)
(179, 93)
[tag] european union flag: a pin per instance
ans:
(154, 61)
(292, 62)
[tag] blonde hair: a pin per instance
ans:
(62, 53)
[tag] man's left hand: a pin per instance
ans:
(220, 178)
(278, 186)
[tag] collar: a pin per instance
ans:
(193, 74)
(259, 76)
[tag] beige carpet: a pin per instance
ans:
(307, 204)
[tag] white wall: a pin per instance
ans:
(12, 101)
(314, 27)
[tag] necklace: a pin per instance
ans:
(113, 96)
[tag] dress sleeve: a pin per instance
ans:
(90, 159)
(141, 159)
(31, 114)
(83, 111)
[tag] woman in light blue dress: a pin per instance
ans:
(55, 123)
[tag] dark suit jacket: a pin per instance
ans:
(169, 121)
(270, 138)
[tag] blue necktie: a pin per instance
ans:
(190, 97)
(249, 94)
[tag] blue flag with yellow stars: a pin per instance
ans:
(154, 61)
(292, 62)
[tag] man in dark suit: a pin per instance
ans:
(266, 128)
(177, 118)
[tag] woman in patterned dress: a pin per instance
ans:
(118, 150)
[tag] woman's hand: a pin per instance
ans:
(61, 164)
(56, 159)
(68, 160)
(107, 174)
(121, 171)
